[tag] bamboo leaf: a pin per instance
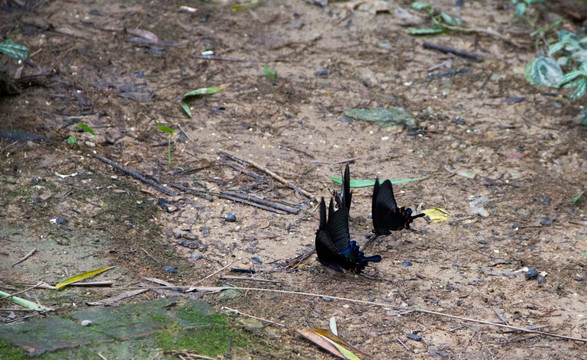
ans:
(197, 92)
(85, 128)
(165, 129)
(83, 276)
(436, 214)
(366, 183)
(25, 303)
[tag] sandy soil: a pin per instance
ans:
(94, 66)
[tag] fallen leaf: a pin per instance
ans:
(436, 214)
(83, 276)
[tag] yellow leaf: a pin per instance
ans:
(83, 276)
(321, 341)
(339, 343)
(436, 214)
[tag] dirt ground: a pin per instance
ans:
(523, 161)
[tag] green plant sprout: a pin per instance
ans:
(72, 139)
(565, 66)
(170, 131)
(271, 74)
(442, 21)
(17, 51)
(522, 6)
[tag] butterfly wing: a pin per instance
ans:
(345, 191)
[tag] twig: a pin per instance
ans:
(186, 134)
(209, 276)
(151, 256)
(299, 259)
(223, 58)
(199, 193)
(500, 317)
(190, 355)
(137, 176)
(401, 342)
(93, 283)
(232, 277)
(25, 257)
(115, 299)
(424, 311)
(280, 179)
(243, 201)
(449, 50)
(333, 162)
(252, 317)
(268, 172)
(262, 201)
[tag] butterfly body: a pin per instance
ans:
(387, 216)
(333, 244)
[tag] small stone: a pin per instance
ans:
(86, 322)
(414, 337)
(205, 230)
(196, 256)
(545, 221)
(230, 217)
(578, 277)
(406, 263)
(256, 260)
(35, 181)
(170, 269)
(531, 274)
(59, 220)
(546, 201)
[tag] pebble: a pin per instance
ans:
(170, 269)
(196, 256)
(256, 260)
(406, 263)
(86, 322)
(35, 181)
(531, 274)
(60, 220)
(414, 337)
(205, 230)
(578, 277)
(230, 217)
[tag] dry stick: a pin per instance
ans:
(401, 342)
(252, 317)
(26, 256)
(137, 176)
(333, 162)
(223, 58)
(262, 201)
(388, 306)
(199, 193)
(232, 277)
(186, 134)
(299, 259)
(280, 179)
(243, 201)
(268, 172)
(151, 256)
(449, 50)
(240, 169)
(209, 276)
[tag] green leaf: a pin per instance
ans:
(165, 129)
(197, 92)
(520, 9)
(543, 71)
(25, 303)
(450, 20)
(580, 86)
(420, 6)
(570, 76)
(583, 116)
(13, 50)
(71, 140)
(85, 128)
(246, 5)
(186, 108)
(576, 198)
(270, 74)
(556, 47)
(427, 31)
(366, 183)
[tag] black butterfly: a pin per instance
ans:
(345, 196)
(333, 241)
(386, 215)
